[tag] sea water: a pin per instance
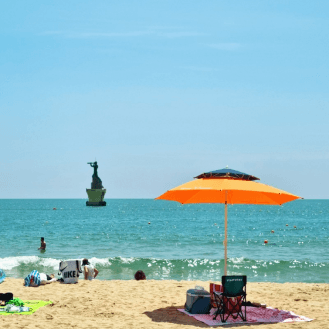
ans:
(167, 240)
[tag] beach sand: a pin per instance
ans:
(152, 304)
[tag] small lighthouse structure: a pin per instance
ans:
(97, 192)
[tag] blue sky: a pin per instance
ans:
(161, 91)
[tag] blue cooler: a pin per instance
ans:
(197, 301)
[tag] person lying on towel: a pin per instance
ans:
(35, 279)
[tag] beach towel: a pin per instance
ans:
(32, 304)
(254, 315)
(2, 275)
(33, 279)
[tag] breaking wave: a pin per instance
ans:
(123, 268)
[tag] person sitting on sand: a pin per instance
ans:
(43, 244)
(90, 272)
(140, 275)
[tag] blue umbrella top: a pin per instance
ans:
(227, 173)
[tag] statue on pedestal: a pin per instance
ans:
(97, 192)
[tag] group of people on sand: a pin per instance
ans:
(89, 272)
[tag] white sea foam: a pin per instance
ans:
(127, 260)
(237, 260)
(99, 261)
(9, 263)
(50, 262)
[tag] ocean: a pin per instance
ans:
(167, 240)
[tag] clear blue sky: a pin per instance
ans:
(161, 91)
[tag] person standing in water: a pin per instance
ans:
(43, 244)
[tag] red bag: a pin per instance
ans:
(231, 304)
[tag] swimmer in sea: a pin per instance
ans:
(43, 244)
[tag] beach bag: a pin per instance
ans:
(5, 298)
(197, 301)
(229, 307)
(70, 269)
(33, 279)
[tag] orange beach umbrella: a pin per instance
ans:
(227, 186)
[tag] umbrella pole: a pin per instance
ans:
(225, 239)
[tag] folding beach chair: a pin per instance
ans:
(230, 299)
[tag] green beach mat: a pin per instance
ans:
(32, 304)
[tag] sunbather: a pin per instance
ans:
(44, 279)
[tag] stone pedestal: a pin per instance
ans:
(96, 197)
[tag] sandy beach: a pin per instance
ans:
(151, 304)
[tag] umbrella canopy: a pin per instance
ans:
(228, 173)
(232, 191)
(227, 186)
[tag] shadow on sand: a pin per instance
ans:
(172, 315)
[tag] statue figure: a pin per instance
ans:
(96, 183)
(95, 166)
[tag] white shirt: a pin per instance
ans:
(90, 273)
(43, 278)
